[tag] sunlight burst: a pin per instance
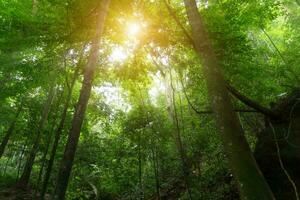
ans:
(118, 55)
(133, 29)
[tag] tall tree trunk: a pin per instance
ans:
(29, 163)
(10, 130)
(58, 133)
(69, 154)
(251, 182)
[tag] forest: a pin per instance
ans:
(149, 99)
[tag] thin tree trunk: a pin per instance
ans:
(21, 158)
(10, 131)
(58, 133)
(29, 163)
(7, 162)
(34, 7)
(155, 169)
(288, 65)
(251, 183)
(43, 162)
(49, 139)
(178, 139)
(70, 150)
(48, 142)
(141, 192)
(172, 113)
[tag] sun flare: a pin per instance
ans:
(133, 29)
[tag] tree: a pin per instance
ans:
(58, 133)
(135, 116)
(24, 180)
(10, 130)
(251, 182)
(67, 161)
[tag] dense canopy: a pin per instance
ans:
(150, 99)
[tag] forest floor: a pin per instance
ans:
(17, 193)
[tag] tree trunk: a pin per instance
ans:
(249, 102)
(34, 7)
(277, 148)
(43, 162)
(141, 193)
(7, 162)
(177, 134)
(173, 116)
(251, 182)
(10, 131)
(21, 158)
(49, 136)
(58, 133)
(69, 154)
(155, 170)
(29, 163)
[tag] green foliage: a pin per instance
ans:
(127, 144)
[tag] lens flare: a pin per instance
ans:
(133, 29)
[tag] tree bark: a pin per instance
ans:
(10, 131)
(251, 183)
(29, 163)
(71, 146)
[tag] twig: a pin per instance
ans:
(281, 163)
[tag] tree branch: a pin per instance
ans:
(232, 90)
(208, 111)
(280, 55)
(176, 19)
(251, 103)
